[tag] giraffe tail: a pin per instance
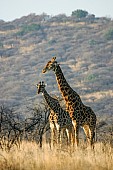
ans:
(95, 135)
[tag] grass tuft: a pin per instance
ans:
(31, 157)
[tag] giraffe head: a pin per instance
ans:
(51, 65)
(41, 87)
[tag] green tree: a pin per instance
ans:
(109, 34)
(79, 13)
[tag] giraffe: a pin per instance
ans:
(59, 119)
(80, 114)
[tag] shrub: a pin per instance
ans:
(91, 77)
(92, 42)
(51, 42)
(28, 28)
(1, 44)
(109, 34)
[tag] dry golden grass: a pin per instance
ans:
(31, 157)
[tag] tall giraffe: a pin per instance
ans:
(59, 119)
(81, 115)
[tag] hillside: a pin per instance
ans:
(81, 47)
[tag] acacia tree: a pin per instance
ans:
(13, 129)
(79, 13)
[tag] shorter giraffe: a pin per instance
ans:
(58, 118)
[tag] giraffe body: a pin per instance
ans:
(59, 119)
(81, 114)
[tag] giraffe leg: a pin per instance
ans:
(59, 141)
(68, 136)
(65, 136)
(92, 137)
(87, 132)
(77, 135)
(52, 138)
(76, 132)
(58, 135)
(52, 135)
(90, 134)
(71, 136)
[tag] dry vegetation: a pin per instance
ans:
(84, 50)
(30, 157)
(25, 144)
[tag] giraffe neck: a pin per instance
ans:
(52, 102)
(62, 83)
(67, 92)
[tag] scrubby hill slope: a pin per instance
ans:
(81, 47)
